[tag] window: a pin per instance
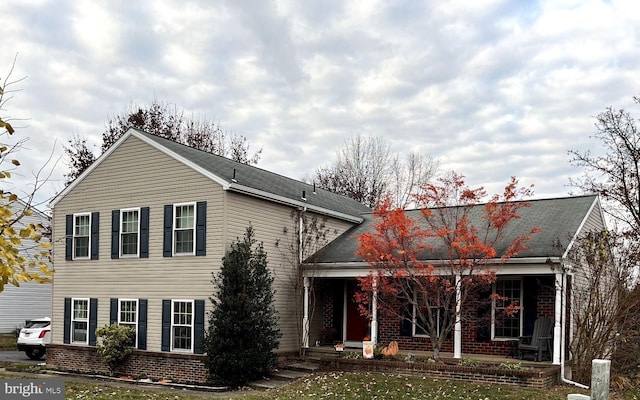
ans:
(184, 229)
(510, 292)
(437, 312)
(79, 320)
(81, 235)
(129, 232)
(128, 315)
(182, 325)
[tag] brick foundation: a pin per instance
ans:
(181, 368)
(534, 378)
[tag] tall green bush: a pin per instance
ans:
(243, 324)
(114, 344)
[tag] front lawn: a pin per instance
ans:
(338, 385)
(8, 342)
(334, 385)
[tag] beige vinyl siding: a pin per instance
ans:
(138, 175)
(269, 221)
(593, 223)
(131, 177)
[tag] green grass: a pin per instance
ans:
(7, 342)
(331, 386)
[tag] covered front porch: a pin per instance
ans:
(335, 317)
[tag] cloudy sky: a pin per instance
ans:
(491, 88)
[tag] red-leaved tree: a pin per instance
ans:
(428, 263)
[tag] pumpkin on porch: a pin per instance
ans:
(390, 350)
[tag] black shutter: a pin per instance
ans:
(113, 311)
(144, 232)
(68, 248)
(95, 234)
(166, 325)
(168, 231)
(406, 325)
(93, 320)
(483, 315)
(115, 234)
(201, 228)
(198, 327)
(66, 335)
(142, 324)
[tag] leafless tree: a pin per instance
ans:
(605, 305)
(367, 170)
(165, 120)
(615, 174)
(307, 234)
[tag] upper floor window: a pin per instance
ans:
(130, 232)
(507, 292)
(81, 235)
(184, 229)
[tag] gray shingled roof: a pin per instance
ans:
(559, 219)
(262, 180)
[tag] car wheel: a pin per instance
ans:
(35, 354)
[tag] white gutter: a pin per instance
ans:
(563, 330)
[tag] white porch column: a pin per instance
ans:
(305, 315)
(557, 326)
(457, 329)
(374, 312)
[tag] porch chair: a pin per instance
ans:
(539, 342)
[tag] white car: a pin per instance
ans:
(33, 338)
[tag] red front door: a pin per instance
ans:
(357, 325)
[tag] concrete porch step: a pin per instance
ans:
(284, 376)
(307, 366)
(288, 374)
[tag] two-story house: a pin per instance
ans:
(138, 235)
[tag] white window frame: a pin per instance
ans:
(493, 311)
(122, 233)
(175, 230)
(414, 327)
(88, 256)
(174, 325)
(74, 319)
(125, 323)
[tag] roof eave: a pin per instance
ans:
(234, 187)
(528, 265)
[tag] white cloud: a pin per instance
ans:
(493, 88)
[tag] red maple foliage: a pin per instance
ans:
(427, 263)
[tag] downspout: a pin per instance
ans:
(563, 332)
(306, 283)
(300, 236)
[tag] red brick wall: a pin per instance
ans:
(181, 368)
(535, 377)
(389, 328)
